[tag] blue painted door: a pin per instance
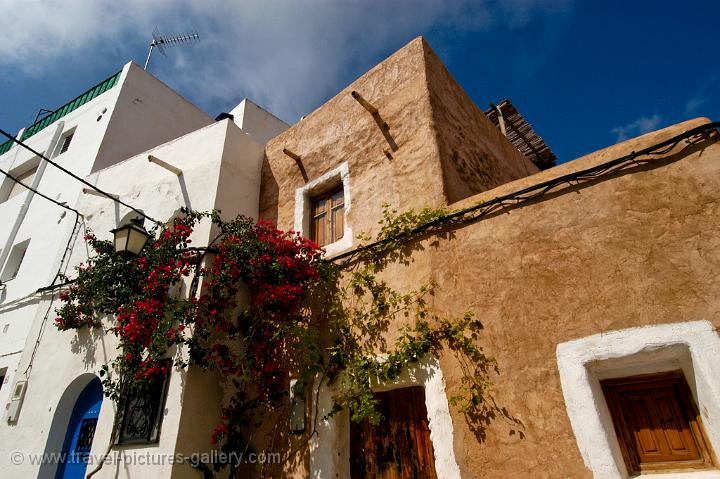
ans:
(80, 432)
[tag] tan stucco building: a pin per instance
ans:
(608, 275)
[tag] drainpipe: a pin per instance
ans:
(29, 196)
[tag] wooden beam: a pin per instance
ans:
(292, 155)
(364, 103)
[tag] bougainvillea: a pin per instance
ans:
(259, 305)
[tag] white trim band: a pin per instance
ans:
(693, 347)
(339, 175)
(330, 447)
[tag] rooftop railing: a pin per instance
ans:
(71, 106)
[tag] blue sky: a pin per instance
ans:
(585, 73)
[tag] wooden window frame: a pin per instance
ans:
(675, 380)
(328, 214)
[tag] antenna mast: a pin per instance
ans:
(162, 41)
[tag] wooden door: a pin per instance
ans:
(399, 447)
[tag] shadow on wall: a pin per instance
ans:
(480, 415)
(561, 186)
(269, 192)
(491, 410)
(85, 341)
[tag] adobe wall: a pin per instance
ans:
(635, 249)
(439, 146)
(474, 154)
(342, 130)
(638, 249)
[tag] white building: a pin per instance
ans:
(106, 136)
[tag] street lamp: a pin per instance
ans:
(130, 238)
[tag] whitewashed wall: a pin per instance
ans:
(203, 156)
(61, 362)
(46, 225)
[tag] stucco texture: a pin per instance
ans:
(635, 248)
(411, 162)
(474, 154)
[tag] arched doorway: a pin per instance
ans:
(80, 432)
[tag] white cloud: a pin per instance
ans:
(701, 95)
(288, 56)
(642, 125)
(694, 103)
(35, 32)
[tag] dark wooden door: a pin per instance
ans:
(399, 447)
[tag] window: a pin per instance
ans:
(85, 437)
(328, 213)
(143, 411)
(656, 422)
(322, 210)
(585, 363)
(65, 143)
(400, 445)
(14, 261)
(24, 173)
(3, 374)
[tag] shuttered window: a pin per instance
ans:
(66, 143)
(399, 447)
(657, 423)
(328, 216)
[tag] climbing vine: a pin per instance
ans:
(261, 305)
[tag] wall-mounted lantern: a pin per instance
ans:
(130, 238)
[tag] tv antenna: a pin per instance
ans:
(162, 41)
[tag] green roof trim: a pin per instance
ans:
(69, 107)
(5, 147)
